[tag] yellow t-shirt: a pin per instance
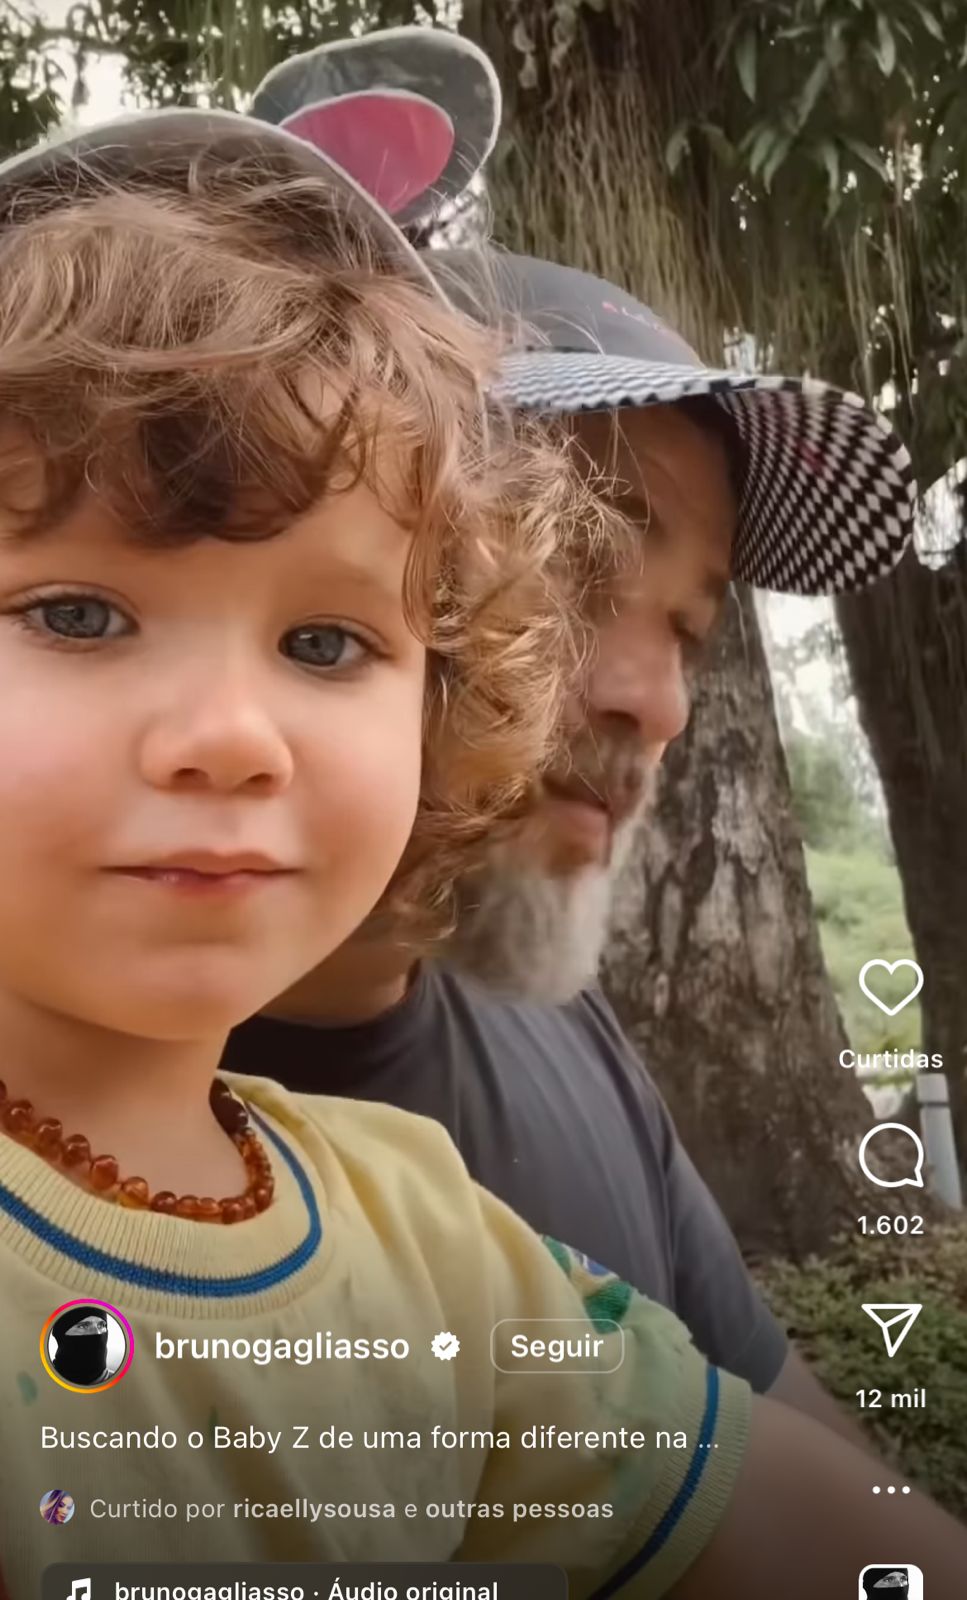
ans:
(612, 1457)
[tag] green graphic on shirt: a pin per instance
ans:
(609, 1305)
(27, 1387)
(606, 1297)
(561, 1254)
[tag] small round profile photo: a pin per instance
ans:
(86, 1346)
(57, 1507)
(891, 1581)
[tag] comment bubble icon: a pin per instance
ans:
(912, 1180)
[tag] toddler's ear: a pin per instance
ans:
(410, 113)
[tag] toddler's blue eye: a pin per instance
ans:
(324, 644)
(82, 618)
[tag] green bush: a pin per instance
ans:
(820, 1305)
(828, 809)
(859, 909)
(854, 884)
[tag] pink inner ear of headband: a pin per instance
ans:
(394, 145)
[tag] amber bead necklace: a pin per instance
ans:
(102, 1176)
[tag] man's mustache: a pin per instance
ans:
(605, 772)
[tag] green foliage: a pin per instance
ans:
(820, 1305)
(855, 888)
(838, 131)
(175, 52)
(852, 873)
(828, 809)
(33, 85)
(859, 909)
(827, 77)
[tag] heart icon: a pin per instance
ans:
(891, 967)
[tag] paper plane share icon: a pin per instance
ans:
(894, 1323)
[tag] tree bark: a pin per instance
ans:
(715, 970)
(715, 967)
(906, 643)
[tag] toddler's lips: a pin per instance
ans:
(186, 881)
(211, 862)
(210, 875)
(204, 885)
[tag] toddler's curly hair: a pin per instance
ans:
(158, 338)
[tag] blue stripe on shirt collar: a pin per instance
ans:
(682, 1500)
(131, 1272)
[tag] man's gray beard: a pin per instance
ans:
(531, 936)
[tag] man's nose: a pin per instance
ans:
(220, 736)
(638, 676)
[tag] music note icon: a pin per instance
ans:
(80, 1589)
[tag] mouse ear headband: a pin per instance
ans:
(145, 145)
(411, 114)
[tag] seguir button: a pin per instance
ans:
(551, 1345)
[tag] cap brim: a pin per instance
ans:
(146, 140)
(829, 494)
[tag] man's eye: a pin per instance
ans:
(326, 645)
(696, 636)
(692, 642)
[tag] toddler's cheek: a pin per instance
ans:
(61, 783)
(363, 799)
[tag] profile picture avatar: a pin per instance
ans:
(893, 1581)
(86, 1346)
(57, 1507)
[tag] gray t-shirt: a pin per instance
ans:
(553, 1112)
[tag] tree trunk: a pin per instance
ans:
(716, 971)
(906, 642)
(715, 968)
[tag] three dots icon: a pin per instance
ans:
(891, 1489)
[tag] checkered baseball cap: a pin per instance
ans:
(828, 494)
